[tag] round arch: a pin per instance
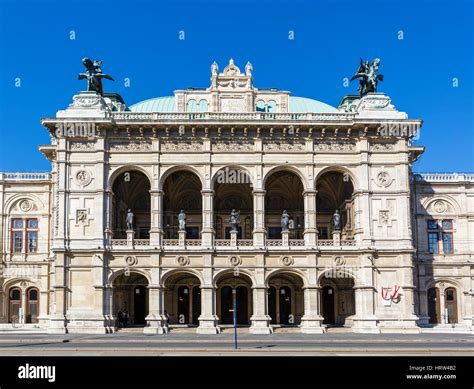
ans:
(14, 281)
(337, 169)
(222, 273)
(176, 168)
(170, 273)
(449, 283)
(20, 196)
(124, 169)
(346, 272)
(118, 273)
(285, 168)
(427, 203)
(238, 168)
(294, 272)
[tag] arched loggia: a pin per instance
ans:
(335, 191)
(131, 191)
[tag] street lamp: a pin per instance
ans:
(234, 300)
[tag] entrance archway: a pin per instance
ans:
(451, 305)
(434, 306)
(225, 299)
(130, 294)
(183, 299)
(32, 305)
(285, 299)
(337, 301)
(15, 305)
(131, 190)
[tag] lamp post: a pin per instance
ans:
(234, 300)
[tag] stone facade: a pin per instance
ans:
(236, 146)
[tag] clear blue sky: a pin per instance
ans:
(139, 40)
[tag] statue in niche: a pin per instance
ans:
(182, 220)
(285, 221)
(234, 220)
(336, 221)
(129, 220)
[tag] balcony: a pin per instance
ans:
(236, 116)
(228, 245)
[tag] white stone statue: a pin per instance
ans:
(182, 220)
(129, 220)
(248, 69)
(214, 69)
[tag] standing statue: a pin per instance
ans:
(129, 220)
(248, 69)
(214, 69)
(368, 77)
(336, 221)
(285, 221)
(234, 220)
(182, 220)
(93, 75)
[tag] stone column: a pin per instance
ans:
(208, 319)
(156, 323)
(310, 230)
(259, 232)
(58, 314)
(207, 232)
(156, 230)
(311, 322)
(260, 320)
(365, 320)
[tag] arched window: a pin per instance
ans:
(15, 305)
(260, 106)
(203, 105)
(451, 305)
(32, 305)
(192, 107)
(272, 106)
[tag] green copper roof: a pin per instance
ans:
(167, 104)
(157, 104)
(303, 104)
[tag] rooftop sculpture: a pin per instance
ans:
(93, 75)
(368, 77)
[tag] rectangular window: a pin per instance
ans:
(17, 235)
(433, 242)
(32, 241)
(17, 241)
(432, 225)
(447, 242)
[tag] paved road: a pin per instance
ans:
(222, 344)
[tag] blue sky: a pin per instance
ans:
(139, 41)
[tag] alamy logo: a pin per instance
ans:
(75, 130)
(31, 372)
(233, 176)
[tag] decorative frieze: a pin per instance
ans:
(382, 147)
(284, 146)
(82, 146)
(188, 146)
(229, 146)
(130, 146)
(334, 146)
